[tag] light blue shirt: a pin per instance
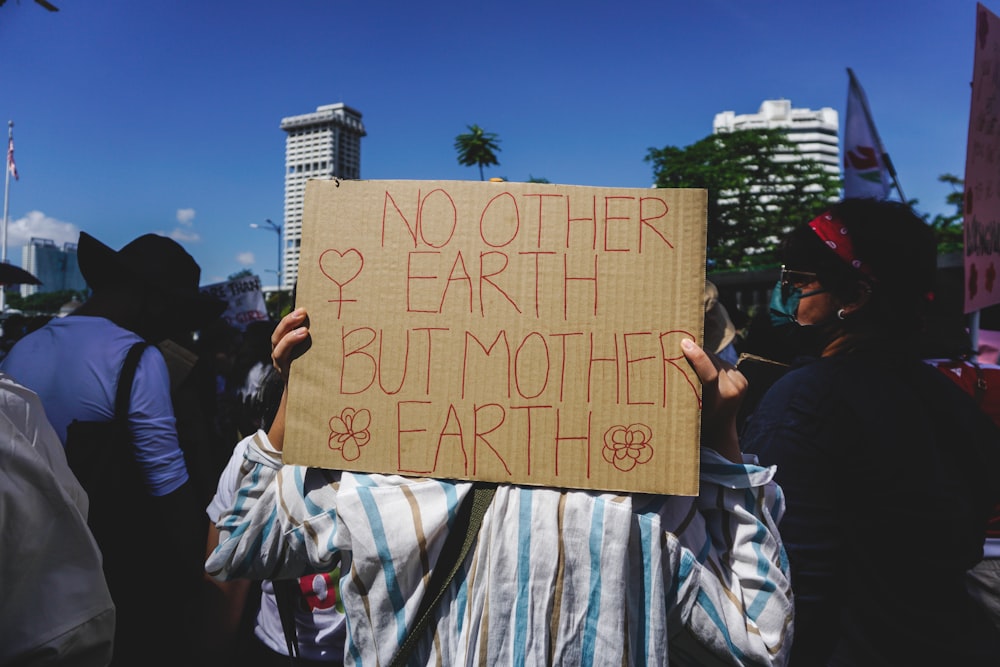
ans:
(73, 364)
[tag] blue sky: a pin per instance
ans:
(163, 115)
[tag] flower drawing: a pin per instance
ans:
(627, 446)
(349, 432)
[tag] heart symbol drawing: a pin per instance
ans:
(341, 267)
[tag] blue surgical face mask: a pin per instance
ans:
(785, 303)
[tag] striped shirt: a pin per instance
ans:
(555, 577)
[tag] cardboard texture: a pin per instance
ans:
(514, 332)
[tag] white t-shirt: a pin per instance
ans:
(321, 631)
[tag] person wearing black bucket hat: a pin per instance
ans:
(160, 274)
(142, 294)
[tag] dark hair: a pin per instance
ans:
(896, 246)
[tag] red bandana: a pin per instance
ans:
(833, 232)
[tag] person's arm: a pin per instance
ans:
(222, 608)
(723, 388)
(153, 426)
(734, 597)
(288, 336)
(161, 462)
(223, 602)
(278, 528)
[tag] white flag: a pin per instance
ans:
(866, 173)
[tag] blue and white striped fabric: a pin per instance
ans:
(555, 577)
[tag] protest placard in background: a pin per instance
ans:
(982, 169)
(244, 298)
(515, 332)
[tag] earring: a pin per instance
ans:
(841, 314)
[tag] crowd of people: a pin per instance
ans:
(848, 516)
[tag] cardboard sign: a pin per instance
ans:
(514, 332)
(245, 299)
(982, 169)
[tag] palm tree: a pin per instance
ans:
(477, 147)
(43, 3)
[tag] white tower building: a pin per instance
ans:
(322, 144)
(814, 131)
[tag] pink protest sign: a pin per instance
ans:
(982, 169)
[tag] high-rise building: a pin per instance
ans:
(322, 144)
(57, 267)
(813, 131)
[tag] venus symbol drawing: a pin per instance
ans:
(341, 267)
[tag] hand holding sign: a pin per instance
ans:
(725, 388)
(289, 340)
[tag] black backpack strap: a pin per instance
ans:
(456, 546)
(122, 444)
(123, 397)
(285, 592)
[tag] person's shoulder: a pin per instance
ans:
(84, 329)
(17, 399)
(811, 386)
(804, 372)
(851, 368)
(93, 322)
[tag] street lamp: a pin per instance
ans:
(277, 230)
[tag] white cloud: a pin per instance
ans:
(246, 258)
(185, 235)
(38, 225)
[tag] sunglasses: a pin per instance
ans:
(795, 280)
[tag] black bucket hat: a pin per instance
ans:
(158, 263)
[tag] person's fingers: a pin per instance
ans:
(290, 332)
(732, 383)
(283, 349)
(736, 378)
(723, 389)
(289, 322)
(703, 365)
(721, 380)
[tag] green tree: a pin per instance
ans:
(759, 187)
(477, 147)
(242, 273)
(948, 228)
(47, 303)
(279, 304)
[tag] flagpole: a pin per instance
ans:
(6, 204)
(871, 127)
